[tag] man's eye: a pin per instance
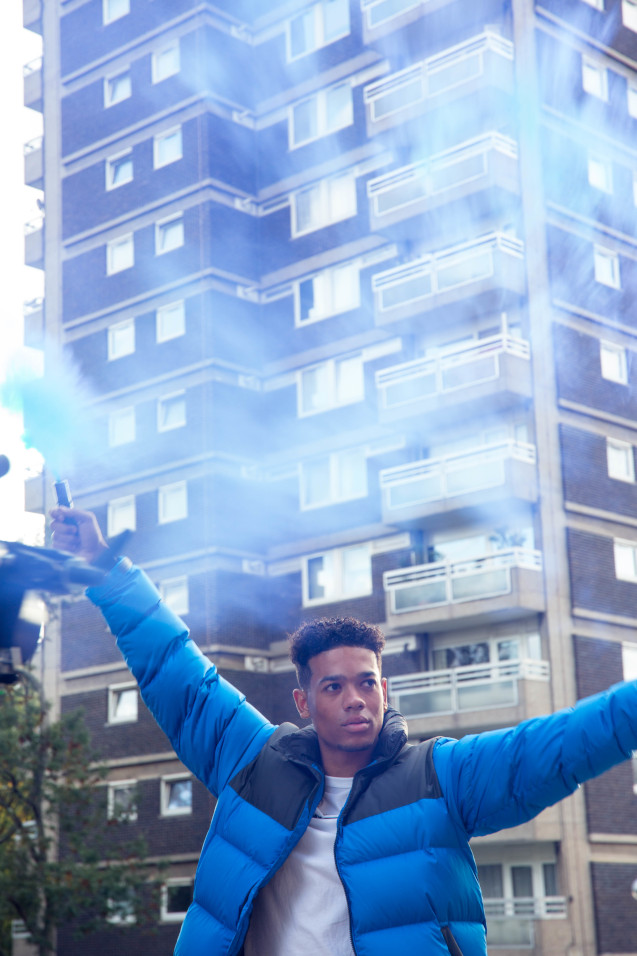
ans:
(370, 682)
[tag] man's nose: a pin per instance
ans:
(353, 699)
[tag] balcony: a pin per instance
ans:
(482, 274)
(511, 920)
(33, 314)
(460, 482)
(501, 586)
(34, 243)
(492, 374)
(449, 701)
(478, 177)
(32, 78)
(484, 60)
(32, 15)
(34, 163)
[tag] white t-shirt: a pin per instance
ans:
(303, 908)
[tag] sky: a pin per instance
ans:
(18, 283)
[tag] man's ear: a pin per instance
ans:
(300, 699)
(383, 684)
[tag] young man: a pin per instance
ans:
(339, 838)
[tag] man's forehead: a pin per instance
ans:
(344, 659)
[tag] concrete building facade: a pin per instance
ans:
(352, 284)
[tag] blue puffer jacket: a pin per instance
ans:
(402, 846)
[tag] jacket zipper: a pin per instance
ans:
(450, 940)
(339, 831)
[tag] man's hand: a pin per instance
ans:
(80, 535)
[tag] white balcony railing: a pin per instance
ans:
(463, 367)
(32, 66)
(33, 145)
(380, 11)
(435, 479)
(455, 167)
(442, 271)
(457, 690)
(538, 907)
(461, 64)
(432, 585)
(33, 225)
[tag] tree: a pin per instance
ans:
(62, 861)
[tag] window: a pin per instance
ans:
(120, 515)
(175, 594)
(635, 187)
(165, 62)
(321, 114)
(123, 701)
(340, 476)
(173, 502)
(331, 384)
(321, 24)
(607, 267)
(114, 9)
(600, 174)
(620, 460)
(337, 575)
(169, 234)
(328, 201)
(120, 254)
(598, 4)
(176, 897)
(171, 411)
(379, 11)
(122, 911)
(625, 560)
(121, 339)
(122, 799)
(327, 293)
(121, 426)
(594, 79)
(119, 169)
(170, 321)
(525, 888)
(629, 14)
(117, 88)
(629, 661)
(631, 99)
(613, 362)
(167, 147)
(176, 795)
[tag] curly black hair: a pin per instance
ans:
(313, 637)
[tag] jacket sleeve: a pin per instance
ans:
(212, 727)
(502, 778)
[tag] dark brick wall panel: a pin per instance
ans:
(593, 582)
(579, 375)
(614, 907)
(585, 470)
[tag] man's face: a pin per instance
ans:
(346, 701)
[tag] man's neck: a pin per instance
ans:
(344, 763)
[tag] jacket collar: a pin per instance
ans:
(303, 746)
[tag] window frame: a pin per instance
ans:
(323, 188)
(181, 393)
(112, 786)
(337, 592)
(111, 528)
(113, 691)
(632, 6)
(165, 134)
(624, 545)
(164, 915)
(105, 10)
(183, 581)
(318, 31)
(601, 254)
(164, 794)
(331, 366)
(328, 274)
(591, 65)
(108, 169)
(154, 59)
(605, 166)
(619, 351)
(127, 414)
(164, 490)
(320, 97)
(163, 224)
(163, 309)
(127, 239)
(111, 353)
(108, 88)
(335, 467)
(628, 474)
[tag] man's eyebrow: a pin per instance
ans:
(335, 677)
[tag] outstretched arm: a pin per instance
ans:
(502, 778)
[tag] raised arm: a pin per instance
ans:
(502, 778)
(212, 727)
